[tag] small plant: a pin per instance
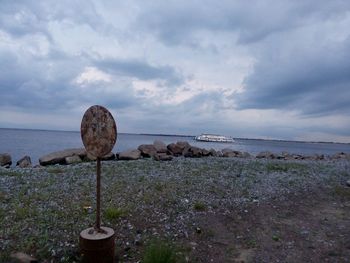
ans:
(275, 238)
(10, 173)
(21, 212)
(199, 206)
(55, 170)
(113, 213)
(159, 187)
(252, 243)
(159, 252)
(343, 192)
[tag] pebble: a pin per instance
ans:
(138, 241)
(348, 182)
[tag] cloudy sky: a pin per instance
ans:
(259, 69)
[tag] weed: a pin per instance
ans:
(55, 170)
(159, 187)
(113, 213)
(10, 173)
(199, 206)
(341, 191)
(21, 212)
(252, 243)
(284, 167)
(159, 252)
(141, 178)
(275, 238)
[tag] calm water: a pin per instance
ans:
(36, 143)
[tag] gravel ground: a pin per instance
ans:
(209, 209)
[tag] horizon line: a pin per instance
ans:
(180, 135)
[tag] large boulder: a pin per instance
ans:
(228, 153)
(60, 156)
(129, 155)
(147, 150)
(175, 149)
(5, 160)
(72, 159)
(108, 157)
(24, 162)
(162, 157)
(265, 155)
(178, 148)
(213, 152)
(340, 155)
(193, 152)
(160, 146)
(205, 152)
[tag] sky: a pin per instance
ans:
(269, 69)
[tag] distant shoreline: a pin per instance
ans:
(185, 136)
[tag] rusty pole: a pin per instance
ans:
(98, 194)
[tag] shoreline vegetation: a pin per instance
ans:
(195, 205)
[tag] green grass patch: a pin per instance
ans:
(10, 173)
(284, 167)
(55, 170)
(342, 191)
(160, 252)
(199, 206)
(114, 213)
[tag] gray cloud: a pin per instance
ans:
(47, 85)
(177, 22)
(27, 17)
(300, 51)
(311, 80)
(141, 70)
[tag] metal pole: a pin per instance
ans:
(98, 194)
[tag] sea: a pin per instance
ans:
(36, 143)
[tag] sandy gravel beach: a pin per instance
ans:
(207, 210)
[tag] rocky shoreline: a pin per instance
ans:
(159, 151)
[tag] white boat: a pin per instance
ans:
(213, 138)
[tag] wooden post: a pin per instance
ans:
(98, 195)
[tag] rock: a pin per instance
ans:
(179, 148)
(5, 160)
(219, 154)
(162, 157)
(175, 149)
(243, 154)
(228, 153)
(130, 155)
(24, 162)
(205, 152)
(232, 153)
(108, 157)
(318, 157)
(196, 152)
(138, 240)
(348, 182)
(340, 155)
(160, 146)
(183, 144)
(266, 155)
(213, 152)
(193, 151)
(60, 156)
(147, 150)
(23, 258)
(72, 159)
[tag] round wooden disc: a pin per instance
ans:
(98, 131)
